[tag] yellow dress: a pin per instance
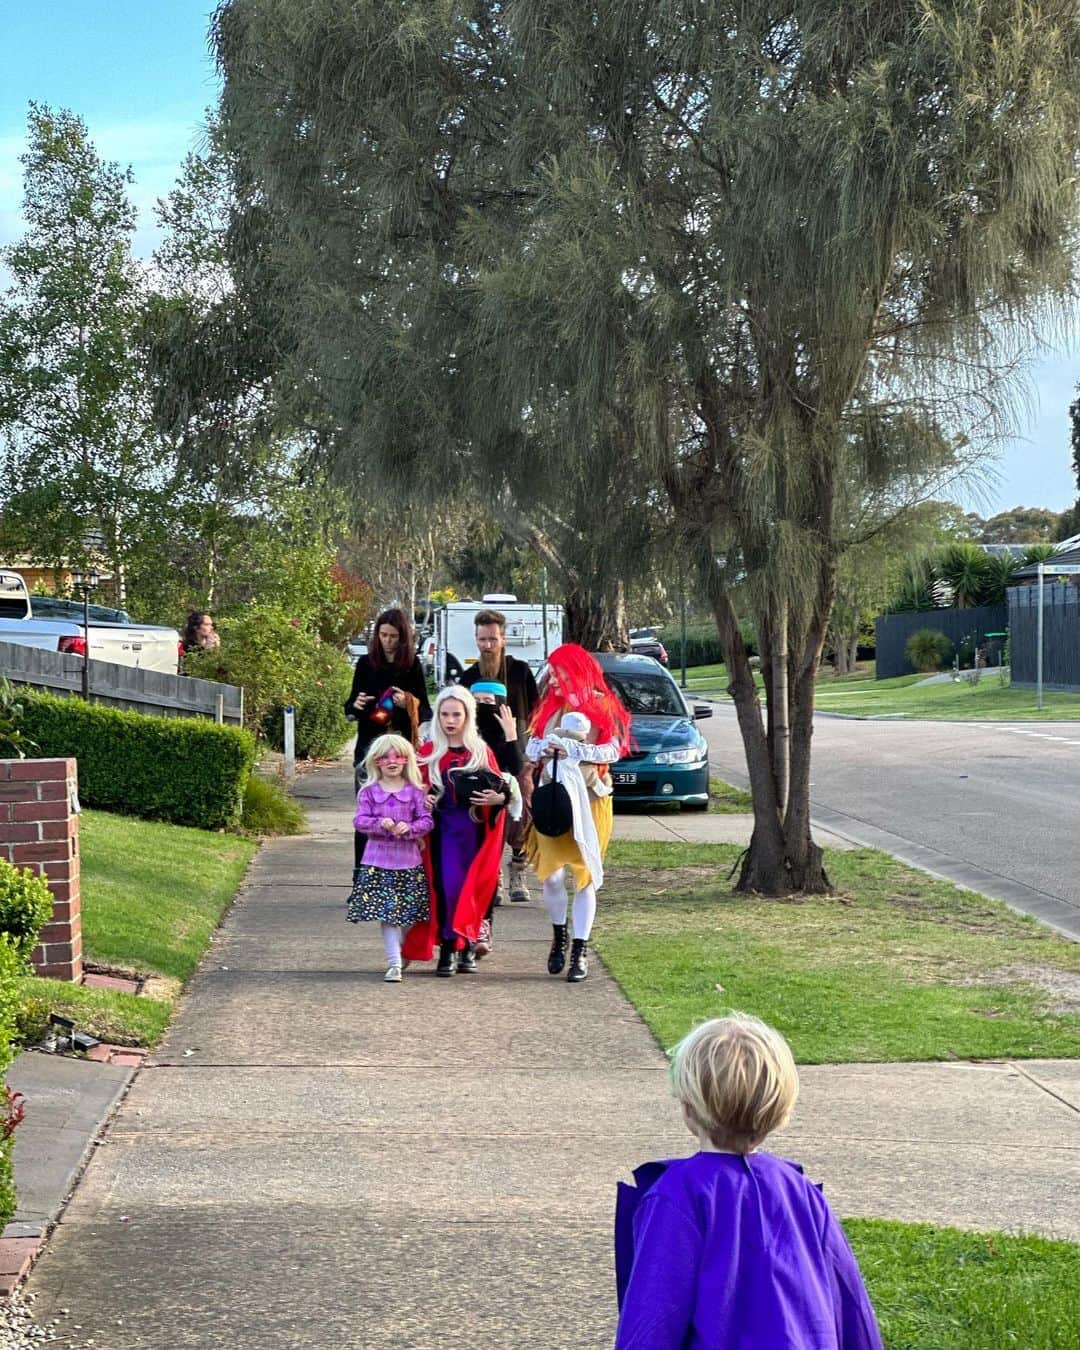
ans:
(547, 853)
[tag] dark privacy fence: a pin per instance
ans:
(893, 630)
(1061, 634)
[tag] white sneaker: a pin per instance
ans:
(393, 975)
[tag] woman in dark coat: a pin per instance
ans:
(388, 693)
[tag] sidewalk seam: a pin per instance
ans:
(1042, 1087)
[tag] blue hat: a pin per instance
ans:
(495, 687)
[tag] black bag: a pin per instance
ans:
(552, 811)
(466, 782)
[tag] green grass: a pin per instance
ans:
(893, 966)
(860, 695)
(268, 808)
(152, 896)
(944, 1289)
(727, 800)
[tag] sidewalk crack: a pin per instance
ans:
(1043, 1088)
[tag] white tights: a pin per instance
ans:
(584, 903)
(391, 936)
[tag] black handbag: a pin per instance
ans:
(467, 782)
(552, 811)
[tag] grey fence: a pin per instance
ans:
(893, 630)
(1061, 634)
(145, 691)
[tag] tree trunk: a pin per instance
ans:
(593, 614)
(780, 739)
(803, 858)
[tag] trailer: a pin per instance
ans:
(450, 648)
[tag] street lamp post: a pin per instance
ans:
(85, 582)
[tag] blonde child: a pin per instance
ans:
(732, 1247)
(391, 886)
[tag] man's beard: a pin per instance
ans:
(491, 664)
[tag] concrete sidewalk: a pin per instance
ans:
(314, 1158)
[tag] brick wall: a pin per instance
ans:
(39, 830)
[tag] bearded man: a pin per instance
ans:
(522, 698)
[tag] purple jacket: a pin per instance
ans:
(723, 1252)
(375, 804)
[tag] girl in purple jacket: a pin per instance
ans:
(732, 1249)
(391, 809)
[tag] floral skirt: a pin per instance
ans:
(384, 895)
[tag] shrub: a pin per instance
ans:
(25, 907)
(11, 968)
(268, 808)
(179, 769)
(320, 728)
(928, 649)
(12, 741)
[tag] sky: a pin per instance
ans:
(139, 73)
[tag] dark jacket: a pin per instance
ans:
(369, 680)
(521, 693)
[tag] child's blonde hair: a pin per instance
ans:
(471, 738)
(379, 746)
(736, 1079)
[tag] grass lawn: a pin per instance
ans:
(152, 895)
(943, 1289)
(860, 695)
(893, 966)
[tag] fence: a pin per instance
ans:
(893, 630)
(126, 687)
(1061, 634)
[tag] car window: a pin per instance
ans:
(647, 694)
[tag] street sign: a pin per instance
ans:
(1061, 569)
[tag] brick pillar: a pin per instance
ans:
(39, 830)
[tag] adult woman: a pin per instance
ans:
(575, 683)
(388, 694)
(467, 842)
(199, 633)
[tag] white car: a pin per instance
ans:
(145, 646)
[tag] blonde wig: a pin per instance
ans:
(473, 741)
(379, 746)
(736, 1080)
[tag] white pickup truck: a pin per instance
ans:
(144, 645)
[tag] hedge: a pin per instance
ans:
(26, 905)
(180, 769)
(12, 967)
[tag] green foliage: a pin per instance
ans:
(268, 808)
(25, 907)
(183, 770)
(12, 964)
(928, 649)
(279, 659)
(12, 740)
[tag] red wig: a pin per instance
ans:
(581, 687)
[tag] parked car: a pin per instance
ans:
(51, 607)
(645, 642)
(669, 761)
(145, 646)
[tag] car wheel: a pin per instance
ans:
(695, 806)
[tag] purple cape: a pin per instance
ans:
(723, 1252)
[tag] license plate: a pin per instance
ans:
(623, 778)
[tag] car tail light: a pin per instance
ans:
(73, 646)
(179, 653)
(663, 651)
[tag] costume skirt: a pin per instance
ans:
(386, 895)
(548, 854)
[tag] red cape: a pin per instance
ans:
(476, 891)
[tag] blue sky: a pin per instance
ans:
(140, 75)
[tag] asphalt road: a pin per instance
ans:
(992, 806)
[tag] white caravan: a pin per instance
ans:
(450, 649)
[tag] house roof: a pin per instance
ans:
(1031, 571)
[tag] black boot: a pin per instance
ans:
(447, 960)
(557, 955)
(579, 967)
(466, 961)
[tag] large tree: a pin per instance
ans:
(82, 466)
(746, 256)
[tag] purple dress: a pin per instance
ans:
(454, 845)
(724, 1252)
(390, 885)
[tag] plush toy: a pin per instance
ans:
(576, 726)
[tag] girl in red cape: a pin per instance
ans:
(466, 845)
(575, 683)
